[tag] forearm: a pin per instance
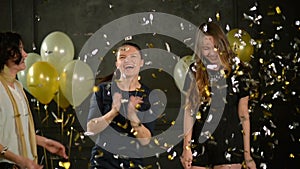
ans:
(141, 132)
(187, 156)
(245, 121)
(97, 125)
(246, 137)
(40, 140)
(188, 128)
(8, 155)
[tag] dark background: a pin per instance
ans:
(274, 120)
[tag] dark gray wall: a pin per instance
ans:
(80, 18)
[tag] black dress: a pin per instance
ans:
(217, 136)
(116, 146)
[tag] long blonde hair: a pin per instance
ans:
(199, 91)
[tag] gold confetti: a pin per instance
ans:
(140, 90)
(261, 60)
(198, 115)
(240, 73)
(100, 154)
(272, 44)
(150, 45)
(173, 123)
(278, 10)
(218, 16)
(292, 155)
(135, 133)
(207, 92)
(170, 157)
(123, 126)
(131, 164)
(96, 89)
(137, 106)
(66, 165)
(271, 13)
(148, 166)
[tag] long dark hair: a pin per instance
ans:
(10, 48)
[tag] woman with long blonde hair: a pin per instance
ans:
(217, 124)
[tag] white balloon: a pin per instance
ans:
(76, 82)
(58, 49)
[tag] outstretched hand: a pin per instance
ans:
(56, 148)
(26, 163)
(250, 164)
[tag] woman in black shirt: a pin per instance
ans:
(217, 123)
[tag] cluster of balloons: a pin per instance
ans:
(54, 75)
(240, 42)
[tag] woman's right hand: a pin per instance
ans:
(26, 163)
(186, 158)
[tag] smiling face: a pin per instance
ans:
(209, 51)
(129, 61)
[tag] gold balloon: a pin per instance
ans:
(240, 42)
(42, 81)
(22, 75)
(61, 100)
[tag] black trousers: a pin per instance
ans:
(6, 165)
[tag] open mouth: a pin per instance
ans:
(129, 67)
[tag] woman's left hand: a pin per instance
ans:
(55, 148)
(133, 105)
(250, 164)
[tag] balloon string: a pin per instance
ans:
(47, 115)
(62, 126)
(70, 143)
(46, 157)
(62, 115)
(39, 115)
